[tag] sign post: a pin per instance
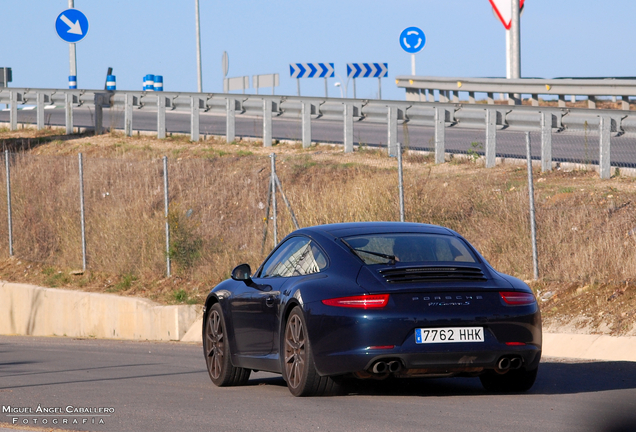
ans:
(225, 64)
(412, 40)
(508, 12)
(72, 26)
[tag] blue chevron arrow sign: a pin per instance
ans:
(367, 70)
(311, 70)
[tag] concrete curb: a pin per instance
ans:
(35, 311)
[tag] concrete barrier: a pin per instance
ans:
(31, 310)
(34, 311)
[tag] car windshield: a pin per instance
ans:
(408, 248)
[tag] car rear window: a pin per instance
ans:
(408, 248)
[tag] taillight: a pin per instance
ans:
(517, 298)
(362, 302)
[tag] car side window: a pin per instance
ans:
(296, 257)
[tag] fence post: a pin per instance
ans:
(400, 181)
(230, 120)
(348, 127)
(195, 104)
(81, 185)
(267, 122)
(533, 223)
(166, 204)
(440, 120)
(68, 111)
(604, 129)
(39, 101)
(546, 142)
(392, 130)
(306, 123)
(491, 138)
(273, 186)
(10, 220)
(128, 114)
(161, 116)
(13, 110)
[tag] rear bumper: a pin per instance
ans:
(353, 340)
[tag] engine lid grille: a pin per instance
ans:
(432, 274)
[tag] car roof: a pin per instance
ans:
(360, 228)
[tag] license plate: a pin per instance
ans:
(449, 335)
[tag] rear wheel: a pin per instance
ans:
(299, 369)
(217, 353)
(513, 381)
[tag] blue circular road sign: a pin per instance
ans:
(412, 40)
(71, 25)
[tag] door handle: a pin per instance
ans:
(269, 301)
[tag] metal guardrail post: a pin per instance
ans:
(561, 103)
(430, 95)
(99, 114)
(348, 127)
(39, 101)
(68, 112)
(546, 142)
(13, 110)
(604, 129)
(534, 99)
(591, 102)
(9, 213)
(471, 97)
(161, 117)
(490, 98)
(166, 204)
(491, 137)
(128, 114)
(82, 212)
(440, 124)
(625, 103)
(306, 124)
(267, 122)
(392, 130)
(194, 118)
(230, 120)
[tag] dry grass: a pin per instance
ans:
(218, 193)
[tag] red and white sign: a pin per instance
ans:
(503, 9)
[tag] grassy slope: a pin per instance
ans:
(218, 190)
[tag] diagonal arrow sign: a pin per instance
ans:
(74, 28)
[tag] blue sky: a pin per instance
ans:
(139, 37)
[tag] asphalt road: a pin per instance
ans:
(165, 387)
(567, 146)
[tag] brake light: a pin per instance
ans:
(517, 298)
(375, 301)
(515, 343)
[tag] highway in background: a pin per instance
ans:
(165, 387)
(567, 146)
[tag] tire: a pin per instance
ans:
(299, 369)
(513, 381)
(217, 352)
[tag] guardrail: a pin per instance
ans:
(422, 89)
(440, 116)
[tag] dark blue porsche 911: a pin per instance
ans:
(372, 300)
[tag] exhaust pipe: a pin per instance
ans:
(503, 364)
(516, 362)
(380, 367)
(394, 366)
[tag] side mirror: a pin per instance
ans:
(242, 272)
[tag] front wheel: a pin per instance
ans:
(299, 369)
(513, 381)
(217, 353)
